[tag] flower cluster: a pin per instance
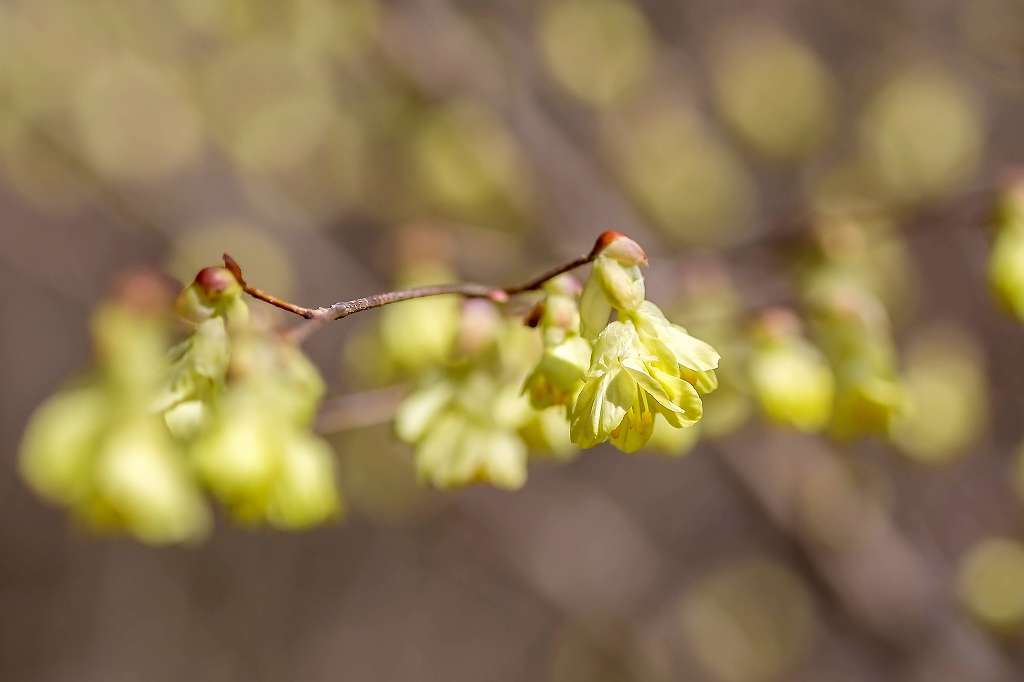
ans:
(583, 378)
(469, 420)
(99, 448)
(840, 378)
(227, 409)
(642, 366)
(852, 326)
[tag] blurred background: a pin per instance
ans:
(331, 145)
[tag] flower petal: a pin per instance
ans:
(595, 309)
(418, 410)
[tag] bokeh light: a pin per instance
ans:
(599, 50)
(750, 621)
(136, 121)
(773, 90)
(991, 583)
(687, 179)
(917, 106)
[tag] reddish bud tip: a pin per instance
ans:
(144, 291)
(498, 296)
(214, 280)
(620, 247)
(605, 239)
(778, 323)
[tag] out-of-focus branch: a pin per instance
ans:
(882, 580)
(360, 410)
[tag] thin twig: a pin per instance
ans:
(342, 309)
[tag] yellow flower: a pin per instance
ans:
(677, 351)
(624, 389)
(559, 374)
(793, 383)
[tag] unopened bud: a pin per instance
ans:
(217, 282)
(776, 324)
(595, 308)
(623, 284)
(793, 384)
(305, 493)
(214, 291)
(561, 312)
(565, 285)
(616, 245)
(478, 326)
(146, 292)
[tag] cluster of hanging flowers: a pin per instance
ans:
(133, 444)
(584, 379)
(615, 378)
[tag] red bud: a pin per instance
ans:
(215, 281)
(620, 247)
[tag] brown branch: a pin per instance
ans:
(343, 309)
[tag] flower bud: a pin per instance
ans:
(192, 306)
(437, 450)
(239, 459)
(58, 448)
(283, 378)
(547, 433)
(217, 283)
(561, 315)
(418, 412)
(145, 292)
(866, 404)
(775, 325)
(493, 456)
(141, 476)
(210, 350)
(186, 419)
(615, 245)
(559, 374)
(595, 309)
(131, 348)
(479, 325)
(622, 284)
(793, 383)
(214, 291)
(417, 335)
(564, 285)
(305, 493)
